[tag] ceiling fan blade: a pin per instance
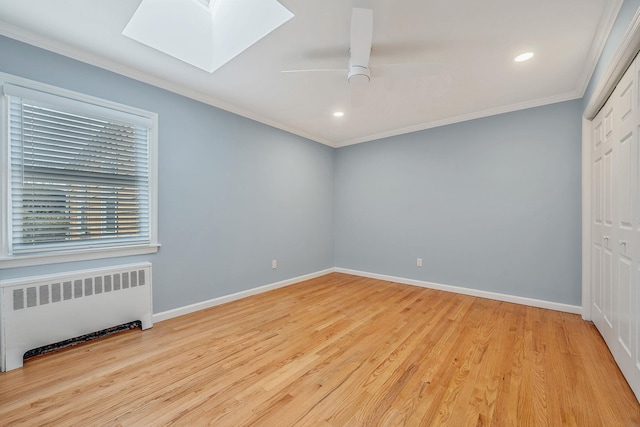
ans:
(361, 36)
(317, 70)
(407, 69)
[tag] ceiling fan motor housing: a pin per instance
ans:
(359, 73)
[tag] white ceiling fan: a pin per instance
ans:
(360, 48)
(359, 68)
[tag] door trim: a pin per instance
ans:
(622, 59)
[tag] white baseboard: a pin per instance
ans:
(169, 314)
(467, 291)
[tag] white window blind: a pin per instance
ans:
(79, 174)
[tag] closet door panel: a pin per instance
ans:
(607, 328)
(597, 217)
(608, 231)
(625, 307)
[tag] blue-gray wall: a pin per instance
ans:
(491, 204)
(233, 193)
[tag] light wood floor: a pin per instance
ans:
(334, 351)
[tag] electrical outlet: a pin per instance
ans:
(419, 262)
(274, 264)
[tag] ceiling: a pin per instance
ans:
(452, 60)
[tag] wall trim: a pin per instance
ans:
(181, 311)
(599, 42)
(549, 305)
(540, 102)
(586, 219)
(192, 308)
(626, 52)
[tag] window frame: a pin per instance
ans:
(8, 260)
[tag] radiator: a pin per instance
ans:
(42, 310)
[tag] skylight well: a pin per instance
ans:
(206, 3)
(204, 33)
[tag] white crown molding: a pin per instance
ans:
(549, 305)
(569, 96)
(19, 34)
(626, 52)
(597, 46)
(598, 43)
(83, 56)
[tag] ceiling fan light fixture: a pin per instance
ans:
(523, 57)
(359, 74)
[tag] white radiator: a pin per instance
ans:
(43, 310)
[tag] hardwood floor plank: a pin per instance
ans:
(338, 350)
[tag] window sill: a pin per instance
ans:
(76, 255)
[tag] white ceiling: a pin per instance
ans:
(455, 60)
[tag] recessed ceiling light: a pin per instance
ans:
(338, 114)
(523, 57)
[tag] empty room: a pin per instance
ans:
(319, 213)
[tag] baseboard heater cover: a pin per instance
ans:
(42, 310)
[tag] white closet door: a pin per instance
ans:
(632, 235)
(602, 226)
(616, 225)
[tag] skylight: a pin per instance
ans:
(206, 3)
(204, 33)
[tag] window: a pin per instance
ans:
(78, 176)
